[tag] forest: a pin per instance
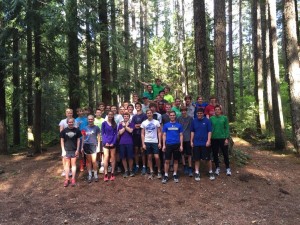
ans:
(56, 54)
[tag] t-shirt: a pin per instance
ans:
(157, 116)
(156, 89)
(209, 110)
(109, 134)
(199, 106)
(165, 118)
(186, 123)
(70, 137)
(200, 129)
(177, 111)
(91, 133)
(190, 110)
(81, 122)
(138, 119)
(145, 107)
(148, 95)
(98, 122)
(220, 127)
(150, 127)
(169, 98)
(63, 123)
(126, 137)
(172, 131)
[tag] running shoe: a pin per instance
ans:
(106, 178)
(165, 179)
(175, 178)
(197, 177)
(96, 179)
(136, 169)
(73, 183)
(89, 178)
(131, 174)
(228, 172)
(190, 172)
(101, 170)
(125, 174)
(212, 176)
(112, 177)
(144, 170)
(63, 173)
(119, 169)
(159, 175)
(217, 172)
(66, 183)
(186, 170)
(151, 176)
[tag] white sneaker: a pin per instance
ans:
(217, 172)
(63, 174)
(197, 176)
(109, 169)
(119, 169)
(228, 172)
(101, 170)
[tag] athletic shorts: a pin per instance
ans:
(126, 151)
(172, 150)
(89, 149)
(137, 140)
(151, 148)
(187, 149)
(70, 155)
(201, 152)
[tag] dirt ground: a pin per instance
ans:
(266, 191)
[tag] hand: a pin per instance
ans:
(123, 124)
(164, 148)
(226, 142)
(159, 146)
(181, 148)
(63, 153)
(144, 147)
(98, 149)
(77, 153)
(106, 144)
(192, 144)
(207, 143)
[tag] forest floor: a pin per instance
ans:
(265, 191)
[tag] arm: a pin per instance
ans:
(181, 142)
(226, 126)
(129, 127)
(62, 144)
(144, 83)
(122, 130)
(192, 139)
(159, 137)
(78, 147)
(143, 138)
(164, 142)
(208, 139)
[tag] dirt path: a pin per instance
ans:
(266, 191)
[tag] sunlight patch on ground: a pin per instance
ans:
(241, 142)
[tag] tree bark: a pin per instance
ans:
(127, 78)
(73, 54)
(292, 60)
(241, 76)
(16, 89)
(104, 52)
(201, 50)
(220, 54)
(231, 105)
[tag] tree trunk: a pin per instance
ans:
(220, 54)
(231, 105)
(292, 60)
(127, 78)
(89, 77)
(241, 75)
(3, 133)
(201, 50)
(37, 125)
(29, 60)
(142, 39)
(257, 53)
(16, 90)
(146, 37)
(280, 142)
(104, 53)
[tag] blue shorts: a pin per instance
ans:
(201, 152)
(152, 148)
(126, 151)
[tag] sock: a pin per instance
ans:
(166, 174)
(210, 171)
(137, 166)
(95, 174)
(174, 174)
(197, 171)
(90, 173)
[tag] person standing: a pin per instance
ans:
(109, 139)
(70, 145)
(186, 122)
(220, 139)
(201, 143)
(98, 122)
(151, 139)
(176, 107)
(125, 130)
(172, 146)
(90, 147)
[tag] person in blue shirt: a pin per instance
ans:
(172, 145)
(201, 142)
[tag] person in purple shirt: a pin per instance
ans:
(109, 138)
(125, 130)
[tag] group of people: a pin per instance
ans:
(148, 138)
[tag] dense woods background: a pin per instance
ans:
(69, 53)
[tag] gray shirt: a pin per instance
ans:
(186, 123)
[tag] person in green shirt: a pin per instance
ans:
(156, 87)
(98, 120)
(220, 139)
(168, 97)
(148, 93)
(176, 107)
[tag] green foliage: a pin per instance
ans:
(239, 157)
